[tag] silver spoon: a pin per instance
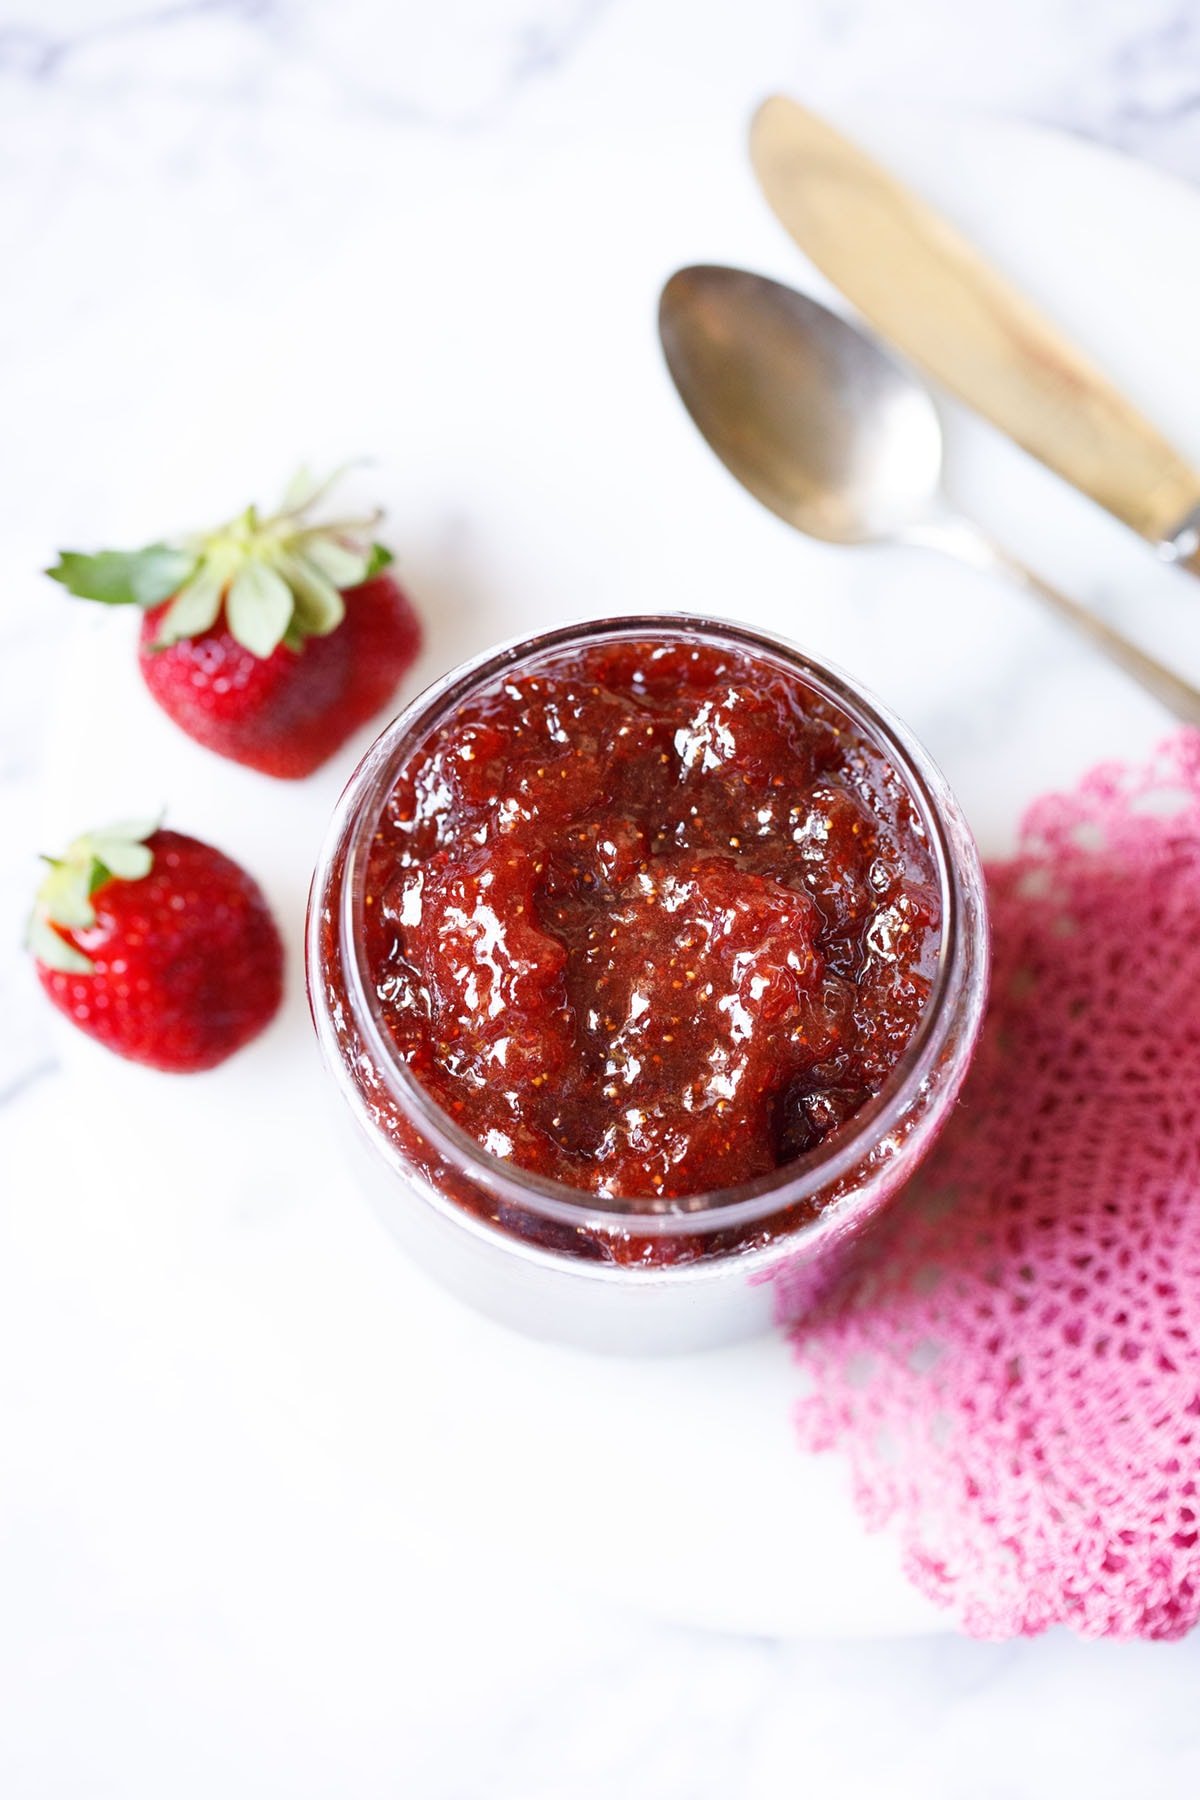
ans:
(839, 439)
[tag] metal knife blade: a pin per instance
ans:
(935, 298)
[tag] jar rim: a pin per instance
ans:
(353, 826)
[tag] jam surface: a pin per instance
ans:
(650, 918)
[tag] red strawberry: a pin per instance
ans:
(157, 945)
(270, 640)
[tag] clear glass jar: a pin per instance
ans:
(537, 1254)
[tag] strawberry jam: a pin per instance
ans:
(649, 918)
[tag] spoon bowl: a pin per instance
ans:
(811, 415)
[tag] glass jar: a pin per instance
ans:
(540, 1255)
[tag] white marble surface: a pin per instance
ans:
(146, 147)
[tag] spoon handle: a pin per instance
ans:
(960, 539)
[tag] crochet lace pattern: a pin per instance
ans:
(1015, 1376)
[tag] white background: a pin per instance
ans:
(148, 157)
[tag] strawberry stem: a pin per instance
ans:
(279, 578)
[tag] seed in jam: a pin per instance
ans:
(650, 919)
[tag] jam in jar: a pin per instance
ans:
(632, 946)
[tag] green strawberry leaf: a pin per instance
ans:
(124, 577)
(53, 951)
(259, 607)
(66, 892)
(194, 609)
(126, 831)
(379, 558)
(125, 861)
(305, 489)
(117, 852)
(335, 560)
(319, 607)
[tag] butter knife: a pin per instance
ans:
(935, 298)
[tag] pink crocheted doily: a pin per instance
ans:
(1015, 1378)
